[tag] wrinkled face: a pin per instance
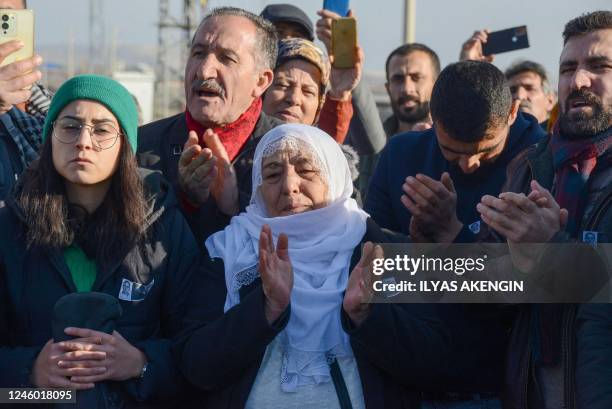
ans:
(294, 95)
(585, 85)
(286, 29)
(81, 162)
(223, 75)
(292, 183)
(527, 87)
(409, 83)
(469, 156)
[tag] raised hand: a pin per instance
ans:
(196, 171)
(359, 290)
(522, 219)
(472, 48)
(225, 186)
(276, 273)
(17, 77)
(433, 205)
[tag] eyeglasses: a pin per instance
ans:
(103, 135)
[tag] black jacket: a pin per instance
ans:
(32, 280)
(160, 145)
(585, 327)
(221, 353)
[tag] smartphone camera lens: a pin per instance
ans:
(5, 26)
(5, 17)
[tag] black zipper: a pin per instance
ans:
(568, 361)
(600, 211)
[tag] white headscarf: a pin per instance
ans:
(321, 243)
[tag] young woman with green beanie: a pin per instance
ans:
(85, 219)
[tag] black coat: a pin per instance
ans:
(160, 145)
(586, 329)
(221, 353)
(32, 280)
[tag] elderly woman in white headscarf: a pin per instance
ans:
(264, 325)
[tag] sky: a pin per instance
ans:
(441, 24)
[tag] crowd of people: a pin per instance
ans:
(222, 257)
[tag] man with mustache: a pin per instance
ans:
(427, 184)
(411, 71)
(207, 151)
(560, 355)
(529, 84)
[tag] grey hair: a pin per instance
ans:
(530, 66)
(266, 49)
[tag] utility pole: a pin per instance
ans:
(97, 37)
(409, 20)
(173, 43)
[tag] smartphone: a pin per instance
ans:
(340, 7)
(344, 42)
(502, 41)
(17, 25)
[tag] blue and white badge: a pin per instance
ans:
(475, 227)
(590, 237)
(131, 291)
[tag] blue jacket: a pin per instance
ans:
(410, 153)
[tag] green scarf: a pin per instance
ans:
(82, 269)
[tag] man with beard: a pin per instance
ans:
(529, 84)
(561, 354)
(411, 71)
(207, 151)
(428, 183)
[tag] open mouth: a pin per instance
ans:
(579, 103)
(205, 93)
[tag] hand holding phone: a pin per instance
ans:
(17, 25)
(344, 42)
(18, 65)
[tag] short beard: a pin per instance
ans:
(581, 125)
(419, 113)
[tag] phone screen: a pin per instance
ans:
(340, 7)
(502, 41)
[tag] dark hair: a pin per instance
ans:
(266, 48)
(406, 49)
(529, 66)
(119, 220)
(587, 23)
(469, 97)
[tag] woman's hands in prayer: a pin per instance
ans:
(276, 273)
(359, 290)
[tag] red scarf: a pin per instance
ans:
(233, 136)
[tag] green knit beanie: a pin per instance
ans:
(104, 90)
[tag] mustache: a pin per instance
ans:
(586, 95)
(208, 85)
(406, 98)
(525, 104)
